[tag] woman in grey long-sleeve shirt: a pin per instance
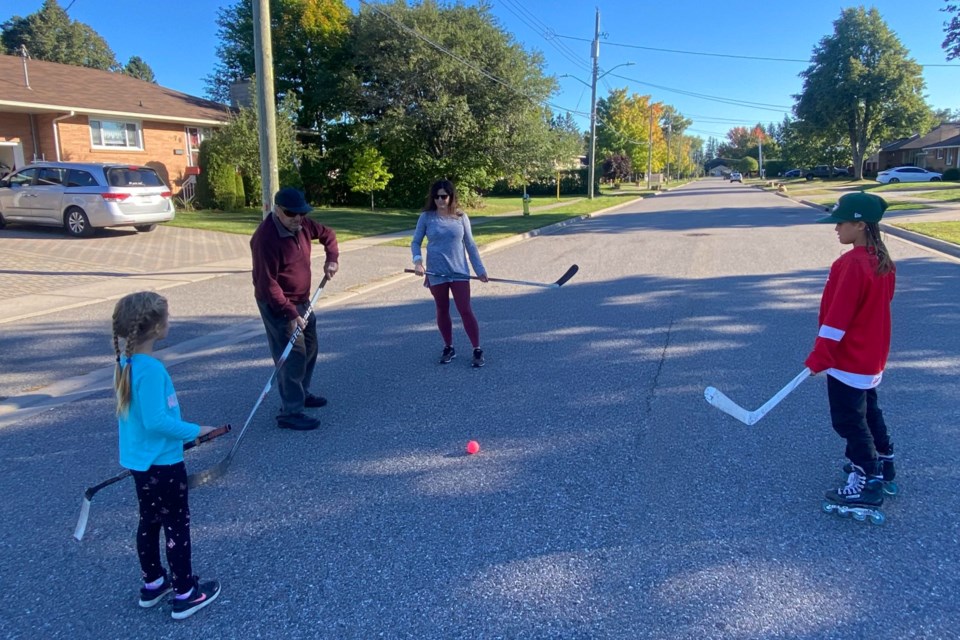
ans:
(449, 243)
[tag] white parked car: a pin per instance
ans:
(736, 177)
(81, 196)
(907, 174)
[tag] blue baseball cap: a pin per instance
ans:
(292, 201)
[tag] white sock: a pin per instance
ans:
(156, 584)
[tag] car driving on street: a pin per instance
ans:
(81, 197)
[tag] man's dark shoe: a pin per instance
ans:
(314, 402)
(298, 422)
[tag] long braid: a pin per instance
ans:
(884, 261)
(135, 317)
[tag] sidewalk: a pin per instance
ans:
(42, 272)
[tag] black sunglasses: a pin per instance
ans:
(290, 215)
(442, 196)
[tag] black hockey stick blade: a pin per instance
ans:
(572, 271)
(88, 494)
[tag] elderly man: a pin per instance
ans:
(281, 285)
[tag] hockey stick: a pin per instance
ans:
(572, 271)
(92, 491)
(718, 399)
(196, 479)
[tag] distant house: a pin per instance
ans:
(930, 151)
(51, 111)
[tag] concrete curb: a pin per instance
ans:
(932, 244)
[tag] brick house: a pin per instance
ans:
(930, 151)
(51, 111)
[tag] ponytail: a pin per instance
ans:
(875, 243)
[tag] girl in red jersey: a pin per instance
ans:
(852, 347)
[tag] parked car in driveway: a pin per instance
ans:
(736, 177)
(825, 171)
(908, 174)
(81, 196)
(793, 173)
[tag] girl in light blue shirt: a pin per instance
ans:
(152, 435)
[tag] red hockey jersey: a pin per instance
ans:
(854, 338)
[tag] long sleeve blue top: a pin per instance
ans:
(152, 431)
(449, 242)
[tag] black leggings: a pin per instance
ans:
(162, 494)
(856, 416)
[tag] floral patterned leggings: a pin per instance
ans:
(162, 494)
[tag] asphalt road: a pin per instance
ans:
(608, 499)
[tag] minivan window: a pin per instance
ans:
(133, 177)
(77, 178)
(23, 178)
(50, 176)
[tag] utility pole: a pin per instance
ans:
(595, 53)
(266, 104)
(650, 147)
(669, 137)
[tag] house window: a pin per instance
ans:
(949, 157)
(115, 134)
(195, 135)
(939, 154)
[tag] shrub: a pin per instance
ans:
(217, 182)
(952, 174)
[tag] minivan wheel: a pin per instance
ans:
(894, 180)
(76, 223)
(934, 179)
(144, 228)
(3, 222)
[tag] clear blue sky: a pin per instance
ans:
(179, 42)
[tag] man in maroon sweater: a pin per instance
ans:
(281, 285)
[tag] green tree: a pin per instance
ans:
(368, 173)
(309, 40)
(951, 44)
(434, 116)
(137, 68)
(861, 85)
(49, 34)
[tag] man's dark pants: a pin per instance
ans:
(293, 379)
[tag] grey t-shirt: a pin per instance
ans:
(449, 242)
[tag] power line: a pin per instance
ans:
(721, 55)
(543, 31)
(740, 103)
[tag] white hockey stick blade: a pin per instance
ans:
(720, 400)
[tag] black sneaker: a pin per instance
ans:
(151, 597)
(314, 402)
(478, 360)
(202, 595)
(449, 353)
(298, 422)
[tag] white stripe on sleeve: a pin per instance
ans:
(831, 334)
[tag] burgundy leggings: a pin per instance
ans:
(461, 297)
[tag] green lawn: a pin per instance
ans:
(351, 223)
(948, 231)
(490, 229)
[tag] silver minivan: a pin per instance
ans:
(82, 196)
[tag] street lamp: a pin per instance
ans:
(593, 114)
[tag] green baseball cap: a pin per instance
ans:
(857, 207)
